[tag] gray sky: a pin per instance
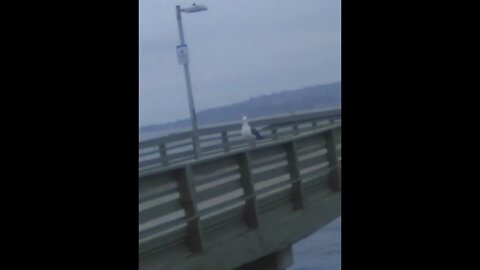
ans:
(238, 49)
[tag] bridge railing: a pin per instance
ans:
(178, 147)
(188, 207)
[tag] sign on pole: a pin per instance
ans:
(182, 54)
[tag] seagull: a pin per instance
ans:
(249, 133)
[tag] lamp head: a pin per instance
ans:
(194, 8)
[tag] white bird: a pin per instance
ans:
(249, 133)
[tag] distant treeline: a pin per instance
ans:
(314, 97)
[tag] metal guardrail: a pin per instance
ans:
(174, 148)
(197, 208)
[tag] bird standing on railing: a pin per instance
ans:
(250, 133)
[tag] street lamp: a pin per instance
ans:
(182, 54)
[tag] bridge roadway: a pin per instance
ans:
(241, 209)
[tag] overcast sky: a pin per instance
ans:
(238, 49)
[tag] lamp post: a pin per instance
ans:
(182, 54)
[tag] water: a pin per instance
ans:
(319, 251)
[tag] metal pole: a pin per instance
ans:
(193, 115)
(180, 28)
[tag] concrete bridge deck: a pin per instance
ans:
(242, 208)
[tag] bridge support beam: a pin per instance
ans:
(279, 260)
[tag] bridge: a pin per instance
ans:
(238, 206)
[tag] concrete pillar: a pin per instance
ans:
(279, 260)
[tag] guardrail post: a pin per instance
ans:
(295, 129)
(251, 209)
(274, 134)
(226, 146)
(163, 154)
(187, 195)
(334, 180)
(297, 188)
(197, 150)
